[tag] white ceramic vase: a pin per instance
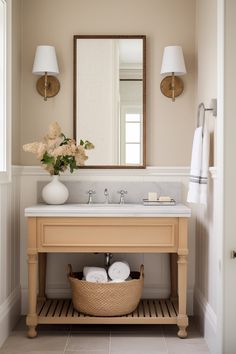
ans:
(55, 192)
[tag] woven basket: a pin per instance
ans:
(106, 299)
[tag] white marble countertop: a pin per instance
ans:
(107, 210)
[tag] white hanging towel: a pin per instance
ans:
(197, 192)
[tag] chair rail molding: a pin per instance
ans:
(149, 171)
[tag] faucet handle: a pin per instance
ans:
(122, 192)
(106, 193)
(91, 192)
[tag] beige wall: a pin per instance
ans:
(206, 238)
(165, 22)
(206, 42)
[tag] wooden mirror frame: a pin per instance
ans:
(143, 37)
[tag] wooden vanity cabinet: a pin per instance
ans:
(107, 234)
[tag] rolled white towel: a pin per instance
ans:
(95, 274)
(119, 270)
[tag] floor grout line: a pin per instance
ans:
(67, 341)
(109, 349)
(164, 337)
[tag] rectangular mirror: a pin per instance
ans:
(110, 99)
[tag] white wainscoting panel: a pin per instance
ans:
(207, 277)
(9, 256)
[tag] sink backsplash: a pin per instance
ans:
(136, 190)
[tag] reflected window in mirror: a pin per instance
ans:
(109, 99)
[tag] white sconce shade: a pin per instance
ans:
(45, 61)
(45, 64)
(173, 61)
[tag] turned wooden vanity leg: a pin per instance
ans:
(173, 276)
(42, 259)
(182, 318)
(32, 318)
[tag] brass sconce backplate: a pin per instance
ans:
(166, 86)
(53, 86)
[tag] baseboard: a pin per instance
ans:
(64, 292)
(9, 314)
(207, 319)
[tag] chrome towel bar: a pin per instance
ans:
(203, 109)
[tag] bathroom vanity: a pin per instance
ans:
(129, 228)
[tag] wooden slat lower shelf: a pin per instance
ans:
(149, 311)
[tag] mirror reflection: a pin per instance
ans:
(109, 83)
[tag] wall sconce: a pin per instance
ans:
(45, 63)
(172, 63)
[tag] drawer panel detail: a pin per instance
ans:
(87, 233)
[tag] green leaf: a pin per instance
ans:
(65, 141)
(47, 159)
(88, 145)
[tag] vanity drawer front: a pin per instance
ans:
(94, 234)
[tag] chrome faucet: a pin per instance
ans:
(106, 193)
(122, 193)
(90, 198)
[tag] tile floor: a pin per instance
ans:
(62, 339)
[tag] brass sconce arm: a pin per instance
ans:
(173, 86)
(45, 86)
(48, 86)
